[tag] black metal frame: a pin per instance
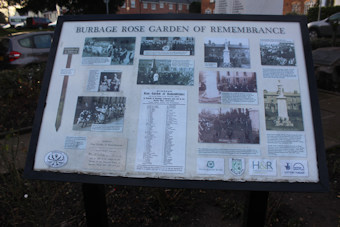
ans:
(320, 186)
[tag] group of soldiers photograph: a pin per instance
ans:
(230, 126)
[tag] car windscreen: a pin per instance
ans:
(335, 17)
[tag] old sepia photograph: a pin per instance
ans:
(212, 84)
(228, 125)
(282, 104)
(99, 113)
(277, 52)
(108, 51)
(167, 46)
(226, 53)
(166, 72)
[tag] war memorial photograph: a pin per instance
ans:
(226, 53)
(283, 107)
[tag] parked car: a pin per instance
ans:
(19, 26)
(52, 24)
(323, 28)
(24, 49)
(5, 26)
(37, 22)
(14, 20)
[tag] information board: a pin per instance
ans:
(212, 101)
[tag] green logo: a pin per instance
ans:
(237, 166)
(210, 164)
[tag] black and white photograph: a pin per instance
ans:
(166, 72)
(212, 84)
(228, 125)
(226, 53)
(277, 52)
(104, 80)
(110, 81)
(99, 113)
(282, 102)
(167, 46)
(108, 51)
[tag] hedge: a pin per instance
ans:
(325, 12)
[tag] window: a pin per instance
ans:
(153, 6)
(180, 6)
(308, 5)
(170, 6)
(211, 1)
(161, 5)
(335, 17)
(42, 41)
(145, 5)
(296, 7)
(124, 5)
(133, 3)
(208, 11)
(26, 42)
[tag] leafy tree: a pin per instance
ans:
(73, 6)
(2, 18)
(195, 7)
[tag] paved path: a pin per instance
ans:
(330, 116)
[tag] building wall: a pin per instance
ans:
(140, 7)
(297, 6)
(130, 7)
(289, 6)
(207, 6)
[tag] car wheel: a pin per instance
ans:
(313, 34)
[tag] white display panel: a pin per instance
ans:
(180, 99)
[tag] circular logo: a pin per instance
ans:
(298, 166)
(210, 164)
(56, 159)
